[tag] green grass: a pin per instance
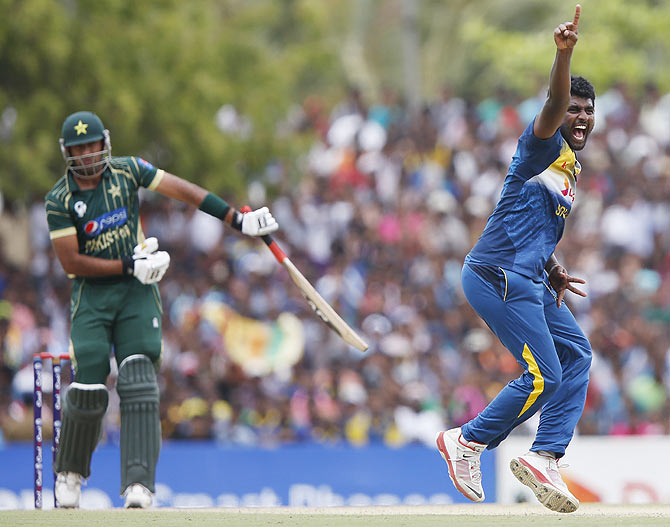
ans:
(456, 515)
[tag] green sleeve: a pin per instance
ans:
(58, 218)
(147, 175)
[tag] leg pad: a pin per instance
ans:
(84, 406)
(140, 422)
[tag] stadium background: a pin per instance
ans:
(263, 102)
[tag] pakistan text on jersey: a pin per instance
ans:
(106, 239)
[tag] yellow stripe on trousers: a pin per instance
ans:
(538, 381)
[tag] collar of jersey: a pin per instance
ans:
(72, 184)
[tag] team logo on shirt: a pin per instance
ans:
(114, 218)
(567, 191)
(80, 208)
(114, 190)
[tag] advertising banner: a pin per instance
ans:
(630, 469)
(202, 474)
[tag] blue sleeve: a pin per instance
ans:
(534, 155)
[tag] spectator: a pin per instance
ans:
(400, 220)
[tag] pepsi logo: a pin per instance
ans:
(91, 227)
(114, 218)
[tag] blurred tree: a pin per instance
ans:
(512, 44)
(476, 45)
(157, 72)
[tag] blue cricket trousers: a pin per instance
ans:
(549, 345)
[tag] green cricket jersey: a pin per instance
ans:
(105, 219)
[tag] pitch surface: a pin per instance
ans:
(458, 515)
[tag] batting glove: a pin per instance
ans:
(147, 247)
(147, 264)
(255, 223)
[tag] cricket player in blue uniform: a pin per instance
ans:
(514, 282)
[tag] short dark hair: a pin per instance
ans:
(580, 87)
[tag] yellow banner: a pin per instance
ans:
(257, 347)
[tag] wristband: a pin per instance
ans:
(236, 220)
(214, 206)
(128, 265)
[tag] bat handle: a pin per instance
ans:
(269, 241)
(266, 238)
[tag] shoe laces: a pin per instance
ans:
(474, 464)
(554, 464)
(475, 471)
(553, 472)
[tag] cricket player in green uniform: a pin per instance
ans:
(94, 224)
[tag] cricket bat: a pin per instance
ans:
(322, 308)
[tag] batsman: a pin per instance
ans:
(94, 225)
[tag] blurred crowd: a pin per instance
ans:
(379, 214)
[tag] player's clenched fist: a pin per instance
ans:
(258, 222)
(150, 268)
(565, 35)
(147, 264)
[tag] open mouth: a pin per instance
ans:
(579, 132)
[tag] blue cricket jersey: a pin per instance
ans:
(528, 221)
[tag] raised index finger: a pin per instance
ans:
(578, 12)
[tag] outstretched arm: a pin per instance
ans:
(551, 116)
(255, 223)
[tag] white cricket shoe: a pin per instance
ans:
(137, 497)
(462, 459)
(68, 489)
(540, 473)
